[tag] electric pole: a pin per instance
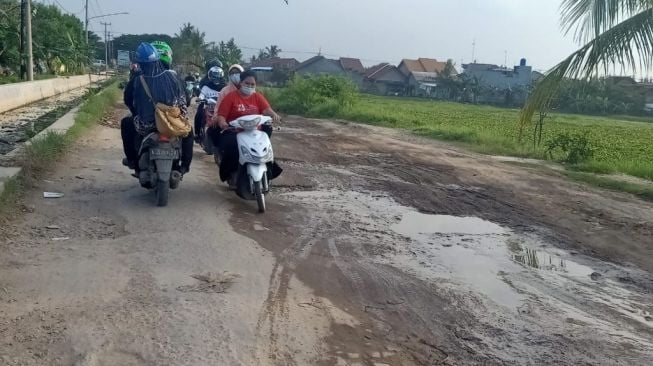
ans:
(86, 22)
(28, 35)
(110, 47)
(22, 40)
(106, 48)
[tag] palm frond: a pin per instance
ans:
(628, 44)
(589, 18)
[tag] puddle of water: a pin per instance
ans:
(542, 260)
(470, 254)
(414, 224)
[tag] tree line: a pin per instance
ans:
(59, 43)
(58, 39)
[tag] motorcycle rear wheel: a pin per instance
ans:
(162, 191)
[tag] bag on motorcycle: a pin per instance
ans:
(169, 120)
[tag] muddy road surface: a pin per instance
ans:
(378, 248)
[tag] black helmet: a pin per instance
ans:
(212, 63)
(215, 74)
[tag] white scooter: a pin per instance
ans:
(255, 152)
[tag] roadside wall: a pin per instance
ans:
(19, 94)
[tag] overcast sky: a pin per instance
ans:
(373, 30)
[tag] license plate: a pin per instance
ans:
(171, 154)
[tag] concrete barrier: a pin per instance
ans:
(17, 95)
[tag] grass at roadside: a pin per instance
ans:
(621, 144)
(642, 191)
(44, 151)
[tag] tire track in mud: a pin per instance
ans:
(418, 322)
(273, 316)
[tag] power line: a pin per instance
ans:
(64, 9)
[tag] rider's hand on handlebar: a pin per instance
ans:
(276, 119)
(223, 125)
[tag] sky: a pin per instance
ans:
(372, 30)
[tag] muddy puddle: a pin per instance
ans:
(21, 124)
(516, 275)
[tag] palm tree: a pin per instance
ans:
(272, 51)
(611, 32)
(190, 45)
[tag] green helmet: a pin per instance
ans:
(165, 52)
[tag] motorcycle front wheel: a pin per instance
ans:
(260, 197)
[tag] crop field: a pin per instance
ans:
(620, 145)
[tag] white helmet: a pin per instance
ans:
(236, 66)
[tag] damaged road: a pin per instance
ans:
(378, 248)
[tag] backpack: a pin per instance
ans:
(169, 120)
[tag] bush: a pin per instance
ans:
(576, 148)
(317, 96)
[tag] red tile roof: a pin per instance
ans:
(424, 65)
(352, 64)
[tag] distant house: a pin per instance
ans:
(502, 78)
(320, 65)
(648, 90)
(276, 63)
(384, 79)
(633, 89)
(431, 65)
(421, 75)
(352, 64)
(275, 70)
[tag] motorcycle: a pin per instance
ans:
(193, 88)
(255, 152)
(208, 99)
(158, 156)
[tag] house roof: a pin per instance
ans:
(352, 64)
(275, 62)
(309, 62)
(424, 65)
(480, 66)
(376, 69)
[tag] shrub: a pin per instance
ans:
(576, 148)
(318, 96)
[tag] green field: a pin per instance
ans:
(621, 145)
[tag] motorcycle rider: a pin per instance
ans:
(211, 88)
(154, 65)
(190, 78)
(234, 83)
(244, 101)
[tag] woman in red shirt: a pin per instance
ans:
(242, 102)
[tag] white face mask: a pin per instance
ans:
(247, 90)
(234, 78)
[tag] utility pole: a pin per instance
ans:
(106, 48)
(110, 47)
(28, 26)
(22, 40)
(86, 22)
(474, 51)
